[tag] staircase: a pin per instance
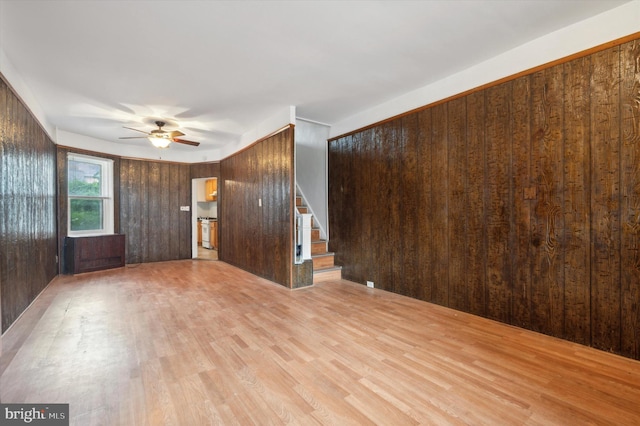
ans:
(323, 267)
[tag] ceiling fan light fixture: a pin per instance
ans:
(161, 138)
(159, 141)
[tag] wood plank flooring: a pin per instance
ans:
(199, 343)
(207, 254)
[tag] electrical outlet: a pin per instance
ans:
(370, 284)
(184, 208)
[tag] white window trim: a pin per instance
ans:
(107, 188)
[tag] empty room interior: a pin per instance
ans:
(320, 212)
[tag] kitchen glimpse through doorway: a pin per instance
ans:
(204, 217)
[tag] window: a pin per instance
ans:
(90, 193)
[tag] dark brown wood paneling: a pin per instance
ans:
(177, 182)
(277, 205)
(204, 170)
(256, 222)
(576, 195)
(439, 237)
(151, 194)
(361, 230)
(28, 240)
(361, 189)
(498, 202)
(357, 198)
(409, 280)
(605, 200)
(527, 192)
(129, 213)
(153, 211)
(476, 248)
(165, 215)
(423, 190)
(228, 190)
(524, 196)
(630, 193)
(183, 218)
(390, 185)
(141, 200)
(547, 282)
(338, 160)
(457, 204)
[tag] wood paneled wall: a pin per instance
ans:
(147, 200)
(519, 202)
(27, 207)
(259, 238)
(151, 194)
(205, 170)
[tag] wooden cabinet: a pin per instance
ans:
(211, 190)
(199, 233)
(214, 235)
(86, 254)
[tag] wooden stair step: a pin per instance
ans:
(321, 261)
(324, 268)
(318, 247)
(327, 274)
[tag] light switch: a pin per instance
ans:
(184, 208)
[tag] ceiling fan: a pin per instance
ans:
(161, 138)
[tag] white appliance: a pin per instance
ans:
(206, 233)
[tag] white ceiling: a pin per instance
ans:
(218, 68)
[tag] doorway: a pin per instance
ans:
(204, 218)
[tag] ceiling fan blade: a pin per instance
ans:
(176, 133)
(186, 142)
(131, 128)
(134, 137)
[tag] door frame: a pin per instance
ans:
(194, 214)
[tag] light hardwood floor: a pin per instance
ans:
(207, 254)
(198, 343)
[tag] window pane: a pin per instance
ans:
(84, 178)
(86, 215)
